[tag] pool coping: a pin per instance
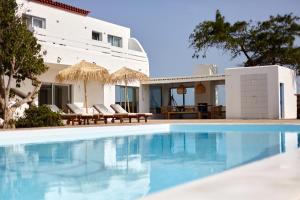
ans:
(46, 135)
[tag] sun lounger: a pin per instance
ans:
(70, 117)
(118, 109)
(106, 114)
(84, 116)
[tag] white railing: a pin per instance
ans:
(98, 46)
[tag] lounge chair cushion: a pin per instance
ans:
(102, 109)
(118, 108)
(54, 108)
(75, 109)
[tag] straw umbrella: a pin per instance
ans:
(84, 71)
(126, 76)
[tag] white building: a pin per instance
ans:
(68, 35)
(261, 92)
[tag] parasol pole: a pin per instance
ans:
(127, 98)
(85, 95)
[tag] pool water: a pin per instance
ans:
(133, 166)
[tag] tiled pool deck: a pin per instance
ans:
(276, 178)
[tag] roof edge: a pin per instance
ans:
(62, 6)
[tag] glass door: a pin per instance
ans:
(281, 100)
(62, 96)
(155, 99)
(45, 94)
(59, 95)
(133, 97)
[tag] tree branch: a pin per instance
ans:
(245, 52)
(31, 95)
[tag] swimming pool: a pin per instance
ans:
(136, 164)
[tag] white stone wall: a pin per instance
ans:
(253, 92)
(288, 77)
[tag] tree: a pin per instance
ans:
(262, 43)
(20, 59)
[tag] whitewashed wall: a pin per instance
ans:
(263, 93)
(298, 84)
(288, 77)
(67, 40)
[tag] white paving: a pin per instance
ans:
(275, 178)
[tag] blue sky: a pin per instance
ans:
(163, 26)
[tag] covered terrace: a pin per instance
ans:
(186, 97)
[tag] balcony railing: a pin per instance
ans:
(43, 36)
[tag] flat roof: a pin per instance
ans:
(184, 79)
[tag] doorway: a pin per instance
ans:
(281, 91)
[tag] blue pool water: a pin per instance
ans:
(133, 166)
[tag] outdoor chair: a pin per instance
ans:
(70, 117)
(118, 109)
(84, 116)
(106, 114)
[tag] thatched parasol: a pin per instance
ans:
(126, 75)
(84, 71)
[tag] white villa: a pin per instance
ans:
(68, 35)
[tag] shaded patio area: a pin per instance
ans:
(187, 97)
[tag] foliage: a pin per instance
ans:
(20, 58)
(268, 42)
(41, 116)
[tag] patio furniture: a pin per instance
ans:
(203, 109)
(70, 117)
(106, 114)
(84, 116)
(169, 111)
(118, 109)
(217, 112)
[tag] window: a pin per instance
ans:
(133, 97)
(114, 41)
(58, 95)
(35, 22)
(96, 36)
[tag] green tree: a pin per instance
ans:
(268, 42)
(20, 59)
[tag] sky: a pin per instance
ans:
(163, 26)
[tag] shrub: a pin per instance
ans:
(39, 117)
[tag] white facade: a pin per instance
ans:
(66, 39)
(298, 84)
(266, 92)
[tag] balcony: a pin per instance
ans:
(104, 48)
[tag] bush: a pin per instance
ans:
(39, 117)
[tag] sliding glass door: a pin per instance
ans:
(133, 97)
(56, 94)
(155, 99)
